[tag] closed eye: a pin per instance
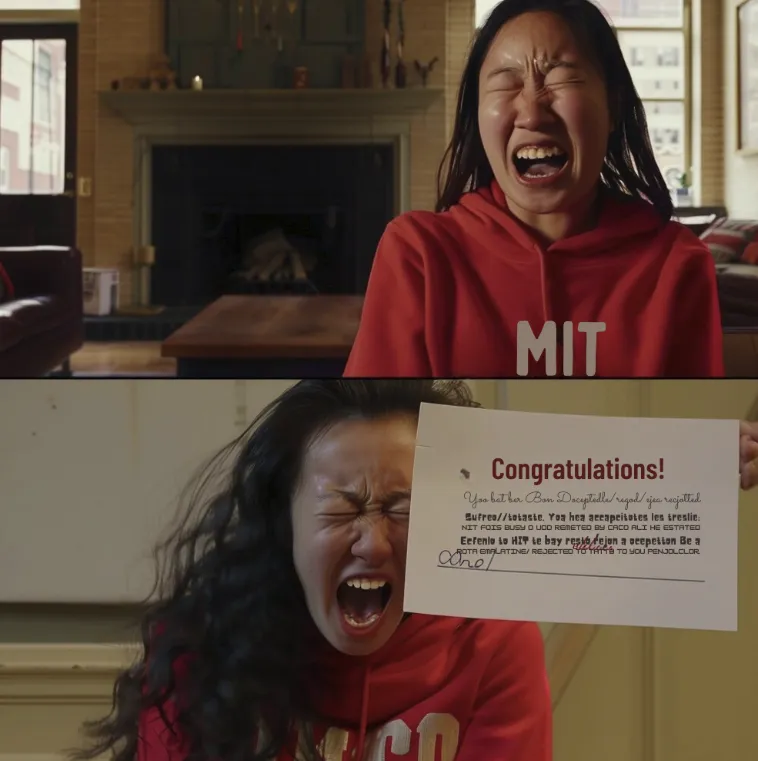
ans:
(504, 80)
(562, 71)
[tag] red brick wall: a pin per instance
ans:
(119, 39)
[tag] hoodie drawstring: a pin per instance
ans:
(364, 715)
(544, 287)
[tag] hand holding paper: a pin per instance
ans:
(748, 455)
(624, 521)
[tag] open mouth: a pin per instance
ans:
(362, 601)
(539, 163)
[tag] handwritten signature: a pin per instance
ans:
(592, 546)
(455, 559)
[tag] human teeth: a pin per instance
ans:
(366, 583)
(537, 152)
(361, 624)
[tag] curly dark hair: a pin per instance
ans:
(630, 167)
(227, 599)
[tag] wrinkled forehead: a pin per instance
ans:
(535, 39)
(361, 452)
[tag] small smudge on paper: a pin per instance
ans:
(465, 474)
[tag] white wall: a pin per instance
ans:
(740, 171)
(90, 474)
(482, 9)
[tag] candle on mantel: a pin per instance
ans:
(197, 83)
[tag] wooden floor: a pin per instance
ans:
(122, 358)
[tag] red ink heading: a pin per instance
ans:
(587, 470)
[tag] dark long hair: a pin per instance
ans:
(227, 600)
(630, 167)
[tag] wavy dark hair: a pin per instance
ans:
(227, 600)
(630, 167)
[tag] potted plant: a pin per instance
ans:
(683, 195)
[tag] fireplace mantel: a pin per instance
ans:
(144, 107)
(274, 117)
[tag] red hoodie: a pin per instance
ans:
(447, 290)
(473, 689)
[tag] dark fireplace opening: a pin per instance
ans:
(267, 219)
(276, 253)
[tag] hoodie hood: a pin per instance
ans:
(621, 222)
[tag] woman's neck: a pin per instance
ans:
(555, 226)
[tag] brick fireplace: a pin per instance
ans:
(220, 172)
(120, 142)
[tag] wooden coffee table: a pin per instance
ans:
(267, 337)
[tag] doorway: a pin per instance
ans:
(38, 77)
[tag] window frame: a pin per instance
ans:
(686, 100)
(42, 89)
(32, 15)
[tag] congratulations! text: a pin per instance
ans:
(588, 470)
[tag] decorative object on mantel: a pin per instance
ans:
(385, 64)
(161, 75)
(401, 72)
(131, 83)
(425, 69)
(300, 79)
(197, 82)
(161, 78)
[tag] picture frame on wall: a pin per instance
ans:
(747, 77)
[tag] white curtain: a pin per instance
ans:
(482, 9)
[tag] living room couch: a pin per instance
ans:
(42, 324)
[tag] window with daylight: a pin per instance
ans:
(654, 38)
(39, 5)
(32, 116)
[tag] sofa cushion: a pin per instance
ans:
(750, 254)
(732, 240)
(10, 332)
(25, 318)
(6, 286)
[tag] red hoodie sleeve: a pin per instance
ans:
(696, 345)
(390, 341)
(513, 713)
